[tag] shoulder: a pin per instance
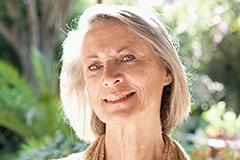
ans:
(173, 150)
(76, 156)
(87, 153)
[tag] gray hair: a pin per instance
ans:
(175, 104)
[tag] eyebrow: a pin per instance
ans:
(91, 56)
(95, 56)
(122, 49)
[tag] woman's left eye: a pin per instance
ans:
(128, 57)
(94, 67)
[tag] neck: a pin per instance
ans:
(134, 141)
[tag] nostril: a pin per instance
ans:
(116, 81)
(111, 78)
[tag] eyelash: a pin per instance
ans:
(94, 67)
(126, 58)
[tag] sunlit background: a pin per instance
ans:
(31, 33)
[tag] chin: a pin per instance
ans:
(121, 118)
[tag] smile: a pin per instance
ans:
(115, 99)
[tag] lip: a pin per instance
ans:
(117, 98)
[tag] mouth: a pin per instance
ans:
(119, 98)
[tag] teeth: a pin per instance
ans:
(118, 98)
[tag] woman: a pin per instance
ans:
(123, 86)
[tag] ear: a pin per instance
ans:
(168, 79)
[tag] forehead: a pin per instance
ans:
(109, 35)
(106, 29)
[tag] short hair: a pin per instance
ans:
(175, 104)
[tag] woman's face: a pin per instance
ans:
(123, 77)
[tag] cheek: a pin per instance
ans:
(93, 96)
(149, 87)
(149, 82)
(92, 90)
(94, 103)
(143, 84)
(91, 81)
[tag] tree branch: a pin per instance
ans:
(53, 17)
(10, 36)
(33, 23)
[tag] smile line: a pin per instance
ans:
(119, 98)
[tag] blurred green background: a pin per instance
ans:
(31, 33)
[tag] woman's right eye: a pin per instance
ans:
(94, 67)
(128, 57)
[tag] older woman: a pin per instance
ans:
(123, 86)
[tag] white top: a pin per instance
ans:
(76, 156)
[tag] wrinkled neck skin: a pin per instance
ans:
(139, 140)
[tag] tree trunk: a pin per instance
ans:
(33, 24)
(27, 66)
(42, 32)
(20, 45)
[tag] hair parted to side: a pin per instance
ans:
(176, 98)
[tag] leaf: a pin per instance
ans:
(13, 122)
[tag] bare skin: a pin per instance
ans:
(125, 83)
(135, 143)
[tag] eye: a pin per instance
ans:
(128, 57)
(94, 67)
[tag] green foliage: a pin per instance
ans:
(26, 112)
(29, 111)
(9, 143)
(8, 156)
(222, 119)
(49, 147)
(208, 33)
(22, 110)
(7, 53)
(48, 99)
(46, 74)
(14, 12)
(80, 6)
(15, 100)
(229, 153)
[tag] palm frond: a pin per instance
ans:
(13, 122)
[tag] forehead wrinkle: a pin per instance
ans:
(118, 51)
(133, 44)
(94, 56)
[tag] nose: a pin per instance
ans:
(112, 74)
